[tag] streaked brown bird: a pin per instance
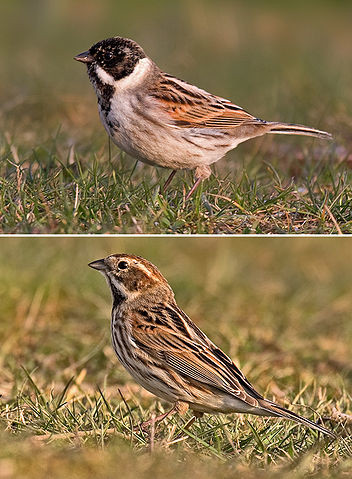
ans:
(168, 354)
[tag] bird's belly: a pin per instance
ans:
(156, 383)
(223, 403)
(162, 145)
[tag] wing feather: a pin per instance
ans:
(181, 346)
(190, 107)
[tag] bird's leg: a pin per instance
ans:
(168, 181)
(196, 415)
(193, 189)
(187, 426)
(202, 173)
(146, 424)
(181, 407)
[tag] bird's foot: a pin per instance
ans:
(193, 189)
(154, 419)
(180, 408)
(201, 173)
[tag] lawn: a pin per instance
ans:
(280, 61)
(281, 308)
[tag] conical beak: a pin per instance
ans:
(99, 265)
(84, 57)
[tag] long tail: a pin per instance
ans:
(288, 129)
(279, 411)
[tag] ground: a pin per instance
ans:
(280, 61)
(280, 308)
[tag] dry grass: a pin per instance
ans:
(281, 309)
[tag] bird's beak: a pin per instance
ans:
(99, 265)
(84, 57)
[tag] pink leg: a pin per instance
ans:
(194, 187)
(201, 173)
(146, 424)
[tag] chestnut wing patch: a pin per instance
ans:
(190, 107)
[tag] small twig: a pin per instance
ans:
(231, 201)
(76, 201)
(178, 439)
(67, 435)
(327, 209)
(152, 432)
(340, 416)
(134, 221)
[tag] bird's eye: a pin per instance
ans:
(122, 265)
(108, 56)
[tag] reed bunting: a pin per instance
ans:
(168, 354)
(164, 121)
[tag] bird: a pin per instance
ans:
(164, 121)
(168, 355)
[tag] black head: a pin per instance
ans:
(117, 56)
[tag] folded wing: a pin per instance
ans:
(190, 107)
(179, 345)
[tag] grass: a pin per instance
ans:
(48, 194)
(59, 174)
(280, 308)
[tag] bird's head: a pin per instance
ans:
(130, 276)
(112, 59)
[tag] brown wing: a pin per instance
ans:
(171, 338)
(190, 107)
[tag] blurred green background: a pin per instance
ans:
(280, 60)
(288, 61)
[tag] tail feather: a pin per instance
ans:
(291, 129)
(279, 411)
